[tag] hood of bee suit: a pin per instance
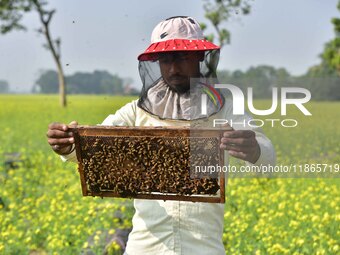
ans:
(179, 34)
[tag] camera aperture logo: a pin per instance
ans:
(238, 101)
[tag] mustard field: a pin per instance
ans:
(42, 210)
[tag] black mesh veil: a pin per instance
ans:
(155, 90)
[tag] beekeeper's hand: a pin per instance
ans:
(60, 138)
(241, 144)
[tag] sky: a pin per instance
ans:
(109, 35)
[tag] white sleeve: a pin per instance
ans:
(125, 116)
(72, 157)
(267, 151)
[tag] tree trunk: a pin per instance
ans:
(45, 18)
(62, 84)
(56, 57)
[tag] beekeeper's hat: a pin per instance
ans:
(180, 33)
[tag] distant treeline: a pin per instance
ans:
(323, 83)
(4, 87)
(97, 82)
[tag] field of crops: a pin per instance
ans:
(42, 210)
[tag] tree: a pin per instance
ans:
(323, 80)
(47, 83)
(4, 86)
(98, 82)
(261, 78)
(11, 13)
(331, 54)
(219, 12)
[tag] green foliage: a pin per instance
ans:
(322, 81)
(4, 86)
(43, 209)
(331, 54)
(47, 83)
(98, 82)
(11, 13)
(260, 78)
(219, 12)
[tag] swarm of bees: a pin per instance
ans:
(143, 165)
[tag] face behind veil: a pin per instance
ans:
(177, 94)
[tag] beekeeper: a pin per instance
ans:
(176, 69)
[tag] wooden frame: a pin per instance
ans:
(161, 132)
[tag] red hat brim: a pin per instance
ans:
(176, 45)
